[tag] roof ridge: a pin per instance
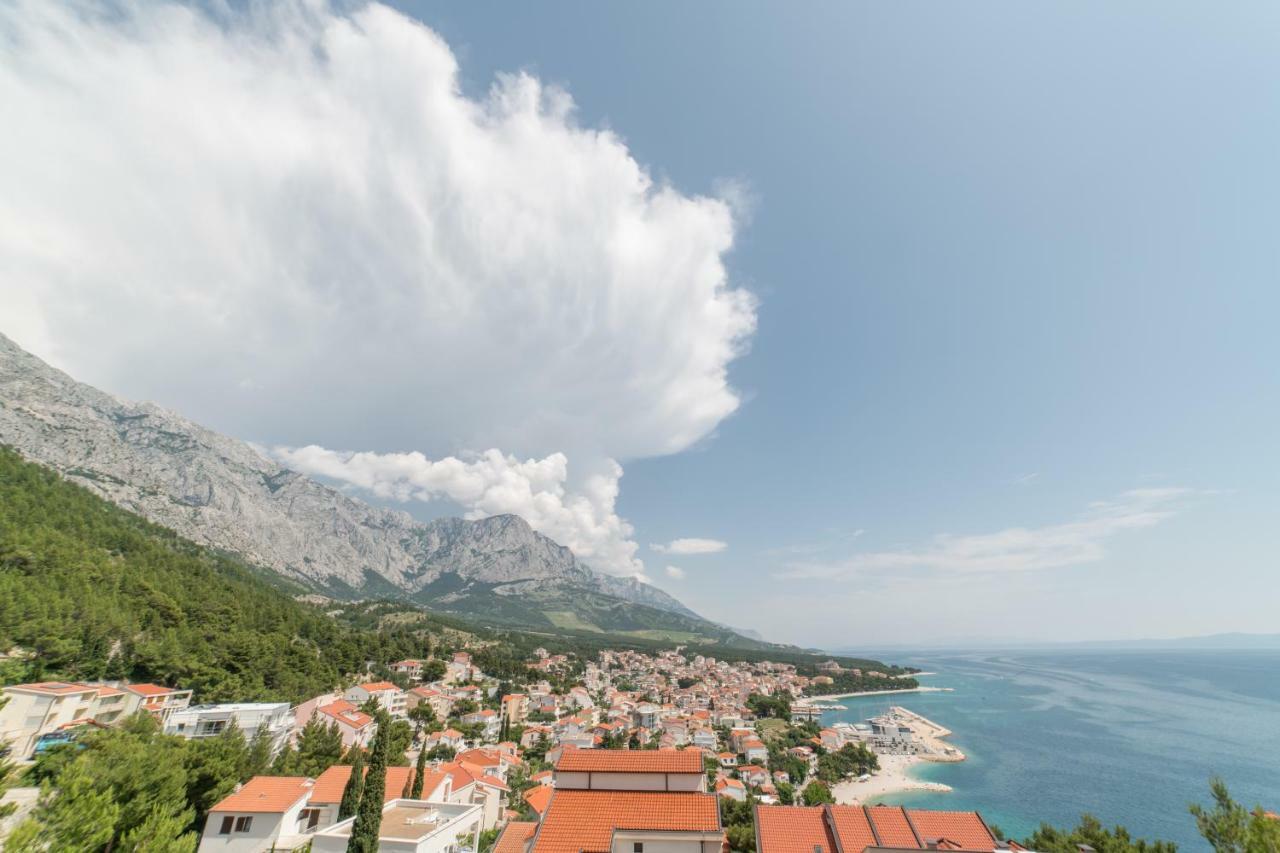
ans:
(912, 824)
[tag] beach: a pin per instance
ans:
(894, 776)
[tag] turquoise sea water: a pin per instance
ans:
(1132, 737)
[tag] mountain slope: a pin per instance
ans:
(88, 590)
(222, 493)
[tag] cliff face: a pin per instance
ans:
(221, 492)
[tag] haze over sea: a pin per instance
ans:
(1132, 737)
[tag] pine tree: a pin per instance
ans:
(419, 772)
(355, 786)
(408, 787)
(364, 833)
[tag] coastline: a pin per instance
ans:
(831, 697)
(893, 777)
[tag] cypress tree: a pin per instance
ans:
(364, 832)
(419, 771)
(355, 785)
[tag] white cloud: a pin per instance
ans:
(492, 483)
(676, 573)
(690, 546)
(1017, 548)
(290, 224)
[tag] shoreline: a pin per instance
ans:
(893, 777)
(831, 697)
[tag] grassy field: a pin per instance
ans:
(569, 620)
(771, 729)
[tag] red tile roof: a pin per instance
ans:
(346, 713)
(799, 829)
(59, 688)
(515, 836)
(630, 761)
(853, 827)
(266, 794)
(150, 689)
(892, 826)
(584, 821)
(538, 797)
(964, 828)
(793, 829)
(375, 686)
(330, 784)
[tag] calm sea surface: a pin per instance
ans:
(1131, 737)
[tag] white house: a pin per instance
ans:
(411, 826)
(267, 813)
(201, 721)
(389, 697)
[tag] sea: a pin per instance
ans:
(1132, 737)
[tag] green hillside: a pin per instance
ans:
(88, 590)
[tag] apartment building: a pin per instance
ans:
(275, 719)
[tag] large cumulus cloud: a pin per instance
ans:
(292, 224)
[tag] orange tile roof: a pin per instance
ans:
(964, 828)
(330, 784)
(853, 828)
(346, 713)
(58, 688)
(150, 689)
(515, 836)
(892, 826)
(799, 829)
(630, 761)
(538, 797)
(584, 821)
(793, 829)
(266, 794)
(375, 686)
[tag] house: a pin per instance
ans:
(389, 697)
(472, 785)
(275, 719)
(488, 718)
(622, 800)
(411, 826)
(705, 739)
(515, 707)
(538, 798)
(326, 796)
(409, 668)
(727, 759)
(451, 738)
(754, 750)
(159, 702)
(631, 770)
(645, 716)
(356, 726)
(830, 739)
(495, 760)
(731, 788)
(266, 813)
(854, 829)
(753, 775)
(439, 703)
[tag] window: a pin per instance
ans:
(638, 847)
(309, 818)
(226, 825)
(243, 823)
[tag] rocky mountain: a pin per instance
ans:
(222, 492)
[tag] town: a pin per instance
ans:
(671, 750)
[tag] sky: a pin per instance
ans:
(882, 324)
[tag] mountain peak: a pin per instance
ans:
(222, 492)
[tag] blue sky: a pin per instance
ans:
(1010, 368)
(1012, 259)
